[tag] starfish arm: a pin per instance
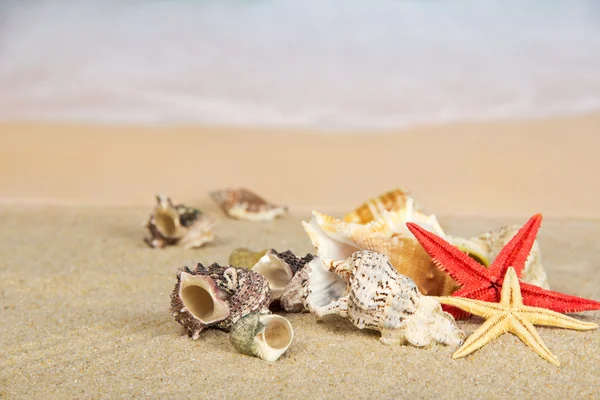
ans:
(544, 317)
(526, 332)
(488, 331)
(515, 253)
(481, 308)
(462, 268)
(535, 296)
(511, 290)
(479, 292)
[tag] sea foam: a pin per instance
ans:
(347, 64)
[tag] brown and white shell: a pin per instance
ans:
(279, 269)
(171, 224)
(492, 243)
(337, 240)
(372, 209)
(217, 297)
(380, 298)
(244, 204)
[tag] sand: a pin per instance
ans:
(510, 168)
(84, 301)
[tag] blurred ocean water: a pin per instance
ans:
(348, 64)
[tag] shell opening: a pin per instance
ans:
(197, 295)
(324, 286)
(166, 223)
(276, 272)
(277, 334)
(275, 338)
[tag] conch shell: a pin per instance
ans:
(266, 336)
(279, 269)
(491, 243)
(382, 299)
(170, 224)
(243, 257)
(217, 297)
(243, 204)
(373, 209)
(337, 240)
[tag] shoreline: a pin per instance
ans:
(504, 168)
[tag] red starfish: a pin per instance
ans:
(484, 284)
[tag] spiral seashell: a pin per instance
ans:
(244, 204)
(217, 297)
(373, 209)
(266, 336)
(171, 224)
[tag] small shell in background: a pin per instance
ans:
(312, 286)
(244, 204)
(243, 257)
(266, 336)
(171, 224)
(217, 297)
(279, 269)
(382, 299)
(372, 209)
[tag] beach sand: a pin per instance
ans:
(84, 301)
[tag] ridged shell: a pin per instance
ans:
(382, 299)
(266, 336)
(372, 209)
(239, 290)
(279, 269)
(337, 240)
(170, 224)
(244, 204)
(243, 257)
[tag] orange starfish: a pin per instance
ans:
(484, 284)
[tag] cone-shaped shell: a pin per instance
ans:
(373, 209)
(266, 336)
(337, 240)
(244, 204)
(279, 269)
(217, 297)
(170, 224)
(243, 257)
(382, 299)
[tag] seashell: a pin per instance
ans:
(382, 299)
(372, 209)
(243, 257)
(312, 286)
(337, 240)
(243, 204)
(491, 243)
(217, 297)
(279, 269)
(266, 336)
(171, 224)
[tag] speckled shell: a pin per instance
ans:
(337, 240)
(172, 224)
(266, 336)
(382, 299)
(244, 204)
(243, 290)
(243, 257)
(279, 269)
(493, 242)
(372, 209)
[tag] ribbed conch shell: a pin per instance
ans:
(279, 269)
(264, 336)
(243, 204)
(382, 299)
(243, 257)
(337, 240)
(171, 224)
(491, 243)
(312, 286)
(372, 209)
(217, 297)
